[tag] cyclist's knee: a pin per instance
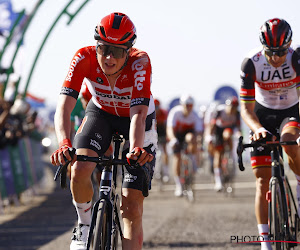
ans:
(81, 171)
(132, 204)
(290, 135)
(263, 176)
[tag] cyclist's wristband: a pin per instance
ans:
(65, 143)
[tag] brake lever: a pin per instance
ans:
(239, 151)
(62, 167)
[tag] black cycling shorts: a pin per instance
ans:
(273, 121)
(95, 133)
(181, 140)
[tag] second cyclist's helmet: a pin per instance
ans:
(275, 33)
(186, 100)
(232, 101)
(116, 28)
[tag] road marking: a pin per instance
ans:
(210, 186)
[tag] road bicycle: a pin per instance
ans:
(283, 218)
(105, 228)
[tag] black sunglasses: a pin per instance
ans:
(116, 52)
(279, 53)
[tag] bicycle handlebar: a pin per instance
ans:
(271, 144)
(62, 169)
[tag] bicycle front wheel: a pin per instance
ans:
(277, 224)
(100, 234)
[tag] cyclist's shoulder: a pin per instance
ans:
(86, 51)
(175, 111)
(137, 56)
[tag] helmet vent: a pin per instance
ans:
(117, 22)
(125, 36)
(102, 31)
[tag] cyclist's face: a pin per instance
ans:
(109, 62)
(188, 108)
(277, 59)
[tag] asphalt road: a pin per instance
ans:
(212, 221)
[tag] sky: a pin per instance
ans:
(195, 46)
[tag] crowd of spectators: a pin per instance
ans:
(17, 119)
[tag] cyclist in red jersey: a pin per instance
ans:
(118, 77)
(270, 106)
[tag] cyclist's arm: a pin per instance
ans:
(62, 119)
(250, 118)
(138, 115)
(62, 124)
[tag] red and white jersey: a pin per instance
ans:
(274, 88)
(131, 88)
(181, 123)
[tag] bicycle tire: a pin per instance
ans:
(116, 221)
(277, 220)
(100, 234)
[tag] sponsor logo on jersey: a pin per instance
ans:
(99, 80)
(66, 90)
(73, 64)
(95, 144)
(127, 97)
(138, 66)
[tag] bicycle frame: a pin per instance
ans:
(107, 191)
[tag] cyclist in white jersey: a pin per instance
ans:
(270, 105)
(183, 126)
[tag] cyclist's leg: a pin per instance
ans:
(289, 132)
(191, 140)
(176, 162)
(262, 172)
(90, 140)
(132, 204)
(218, 153)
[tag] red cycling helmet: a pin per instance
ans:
(116, 28)
(275, 33)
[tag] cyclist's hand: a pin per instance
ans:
(260, 133)
(61, 155)
(139, 156)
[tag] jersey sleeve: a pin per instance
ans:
(296, 66)
(247, 91)
(171, 121)
(141, 69)
(78, 70)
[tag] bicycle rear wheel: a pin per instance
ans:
(276, 221)
(100, 234)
